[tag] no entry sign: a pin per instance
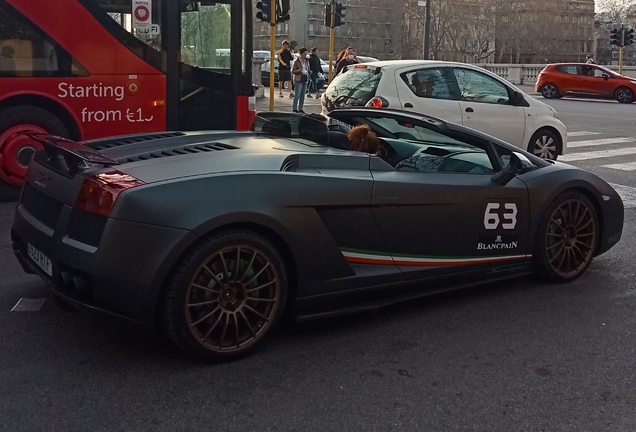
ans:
(142, 15)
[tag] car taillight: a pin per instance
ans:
(377, 102)
(99, 193)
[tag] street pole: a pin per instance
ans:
(427, 30)
(272, 54)
(620, 49)
(332, 36)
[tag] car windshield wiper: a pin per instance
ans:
(343, 97)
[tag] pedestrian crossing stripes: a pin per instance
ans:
(597, 142)
(570, 157)
(591, 149)
(582, 133)
(589, 153)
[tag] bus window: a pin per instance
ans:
(116, 17)
(205, 37)
(25, 51)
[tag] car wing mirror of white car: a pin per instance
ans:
(517, 165)
(519, 100)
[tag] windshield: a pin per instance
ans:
(355, 87)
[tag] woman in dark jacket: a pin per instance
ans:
(348, 59)
(316, 69)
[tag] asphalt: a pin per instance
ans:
(312, 105)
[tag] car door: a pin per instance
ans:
(429, 90)
(597, 81)
(440, 212)
(571, 79)
(487, 105)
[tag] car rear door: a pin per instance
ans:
(487, 105)
(428, 90)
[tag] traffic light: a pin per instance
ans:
(340, 14)
(629, 37)
(265, 10)
(282, 11)
(615, 37)
(327, 14)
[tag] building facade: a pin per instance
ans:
(373, 27)
(544, 31)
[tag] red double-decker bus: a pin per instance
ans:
(86, 69)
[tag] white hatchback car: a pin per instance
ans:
(456, 92)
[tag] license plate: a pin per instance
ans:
(40, 259)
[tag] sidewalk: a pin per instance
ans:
(312, 105)
(285, 103)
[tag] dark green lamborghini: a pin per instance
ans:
(215, 236)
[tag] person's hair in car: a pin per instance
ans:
(363, 139)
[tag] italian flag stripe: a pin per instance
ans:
(377, 259)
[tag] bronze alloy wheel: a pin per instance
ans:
(232, 298)
(570, 235)
(225, 295)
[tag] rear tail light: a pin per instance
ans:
(377, 102)
(99, 193)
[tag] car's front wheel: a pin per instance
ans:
(549, 91)
(225, 295)
(567, 238)
(545, 144)
(624, 95)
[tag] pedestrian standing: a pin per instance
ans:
(316, 70)
(348, 59)
(301, 72)
(285, 59)
(589, 59)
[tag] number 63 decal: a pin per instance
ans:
(492, 216)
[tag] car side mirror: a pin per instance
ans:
(605, 75)
(517, 165)
(518, 99)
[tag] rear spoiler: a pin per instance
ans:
(74, 153)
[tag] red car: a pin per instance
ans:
(581, 79)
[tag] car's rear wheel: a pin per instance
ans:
(225, 295)
(16, 148)
(567, 238)
(624, 95)
(549, 91)
(545, 144)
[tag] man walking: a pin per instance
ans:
(285, 59)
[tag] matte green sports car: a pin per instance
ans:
(215, 236)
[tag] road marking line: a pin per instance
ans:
(627, 194)
(628, 166)
(596, 154)
(582, 133)
(603, 141)
(28, 305)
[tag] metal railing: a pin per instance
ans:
(526, 74)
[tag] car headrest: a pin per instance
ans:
(312, 129)
(279, 128)
(338, 140)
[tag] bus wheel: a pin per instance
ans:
(16, 148)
